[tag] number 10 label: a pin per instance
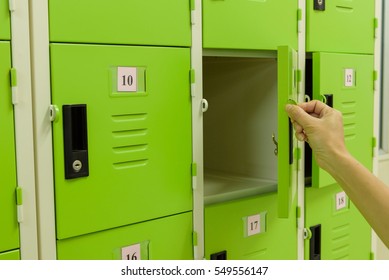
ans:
(126, 79)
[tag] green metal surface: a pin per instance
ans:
(139, 143)
(9, 233)
(262, 25)
(167, 238)
(5, 21)
(225, 230)
(151, 22)
(344, 26)
(11, 256)
(355, 102)
(344, 233)
(287, 90)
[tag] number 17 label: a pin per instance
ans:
(253, 224)
(126, 79)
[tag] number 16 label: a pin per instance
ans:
(131, 253)
(126, 79)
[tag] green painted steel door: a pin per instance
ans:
(139, 22)
(167, 238)
(9, 233)
(249, 229)
(11, 255)
(337, 230)
(5, 28)
(341, 26)
(348, 80)
(237, 24)
(123, 135)
(287, 91)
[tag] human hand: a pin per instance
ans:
(322, 127)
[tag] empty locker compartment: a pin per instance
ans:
(136, 22)
(167, 238)
(250, 24)
(340, 26)
(5, 27)
(247, 136)
(9, 233)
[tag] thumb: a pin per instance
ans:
(298, 115)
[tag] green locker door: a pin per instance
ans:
(139, 22)
(287, 91)
(128, 135)
(168, 238)
(5, 28)
(349, 79)
(237, 24)
(340, 26)
(9, 233)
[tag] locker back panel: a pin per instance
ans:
(345, 234)
(5, 28)
(226, 229)
(138, 142)
(150, 22)
(161, 239)
(343, 26)
(238, 24)
(349, 78)
(9, 233)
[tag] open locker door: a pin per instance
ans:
(287, 91)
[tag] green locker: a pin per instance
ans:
(336, 229)
(9, 233)
(347, 80)
(138, 22)
(262, 25)
(340, 26)
(5, 28)
(249, 229)
(122, 136)
(248, 163)
(11, 255)
(167, 238)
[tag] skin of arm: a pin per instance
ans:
(322, 127)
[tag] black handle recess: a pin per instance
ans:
(329, 100)
(315, 243)
(75, 136)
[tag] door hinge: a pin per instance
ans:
(375, 27)
(297, 156)
(372, 256)
(192, 79)
(195, 238)
(373, 144)
(298, 80)
(299, 20)
(375, 79)
(12, 5)
(192, 4)
(14, 86)
(194, 169)
(19, 203)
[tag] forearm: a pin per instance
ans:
(367, 192)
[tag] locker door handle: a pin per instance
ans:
(75, 141)
(315, 243)
(328, 99)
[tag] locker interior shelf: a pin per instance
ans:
(221, 186)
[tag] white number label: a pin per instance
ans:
(341, 200)
(131, 253)
(253, 225)
(349, 78)
(126, 79)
